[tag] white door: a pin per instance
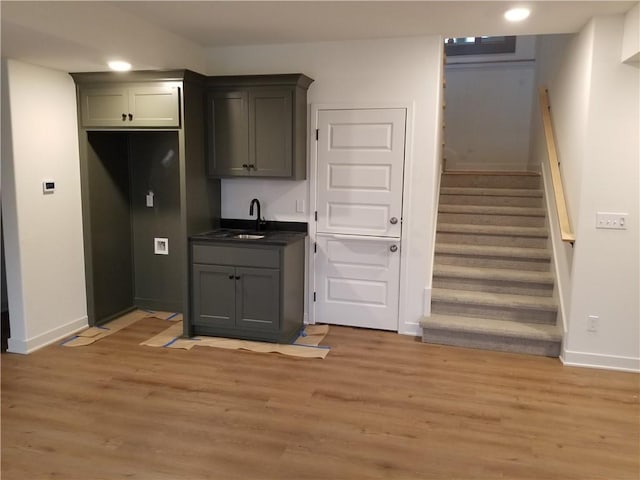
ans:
(357, 281)
(360, 169)
(360, 162)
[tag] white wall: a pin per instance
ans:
(631, 37)
(595, 103)
(391, 72)
(478, 135)
(43, 233)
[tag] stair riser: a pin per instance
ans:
(491, 200)
(493, 240)
(491, 342)
(492, 262)
(484, 219)
(523, 315)
(493, 286)
(491, 181)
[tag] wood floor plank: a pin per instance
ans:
(379, 406)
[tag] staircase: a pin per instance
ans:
(492, 285)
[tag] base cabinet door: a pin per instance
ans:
(258, 298)
(214, 294)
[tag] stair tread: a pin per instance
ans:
(492, 192)
(504, 230)
(493, 173)
(512, 275)
(493, 251)
(492, 210)
(494, 299)
(490, 326)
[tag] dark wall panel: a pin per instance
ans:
(154, 166)
(110, 218)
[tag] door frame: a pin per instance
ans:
(406, 194)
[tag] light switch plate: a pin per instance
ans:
(615, 221)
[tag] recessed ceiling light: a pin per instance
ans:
(119, 66)
(517, 14)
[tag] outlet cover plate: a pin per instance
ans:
(161, 246)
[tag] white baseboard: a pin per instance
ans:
(595, 360)
(411, 329)
(47, 338)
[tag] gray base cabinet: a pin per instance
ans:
(257, 126)
(250, 292)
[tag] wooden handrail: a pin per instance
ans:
(566, 233)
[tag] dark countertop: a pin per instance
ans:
(274, 233)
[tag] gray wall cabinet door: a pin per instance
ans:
(270, 127)
(214, 295)
(154, 106)
(133, 106)
(228, 139)
(104, 107)
(257, 298)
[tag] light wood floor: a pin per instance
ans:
(380, 405)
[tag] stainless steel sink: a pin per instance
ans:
(248, 236)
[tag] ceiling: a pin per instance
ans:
(81, 36)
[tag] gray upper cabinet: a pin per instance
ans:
(257, 126)
(130, 106)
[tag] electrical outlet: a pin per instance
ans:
(161, 246)
(616, 221)
(592, 323)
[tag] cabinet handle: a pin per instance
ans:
(237, 277)
(251, 165)
(124, 117)
(230, 277)
(130, 116)
(393, 248)
(244, 165)
(393, 220)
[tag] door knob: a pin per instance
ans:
(393, 220)
(130, 116)
(393, 248)
(124, 117)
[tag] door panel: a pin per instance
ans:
(270, 125)
(258, 298)
(104, 107)
(228, 147)
(154, 106)
(357, 281)
(214, 293)
(360, 171)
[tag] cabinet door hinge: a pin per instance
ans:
(315, 215)
(314, 296)
(317, 134)
(315, 247)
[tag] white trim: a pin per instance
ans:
(47, 338)
(426, 306)
(411, 329)
(403, 327)
(596, 360)
(552, 225)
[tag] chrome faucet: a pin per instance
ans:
(256, 202)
